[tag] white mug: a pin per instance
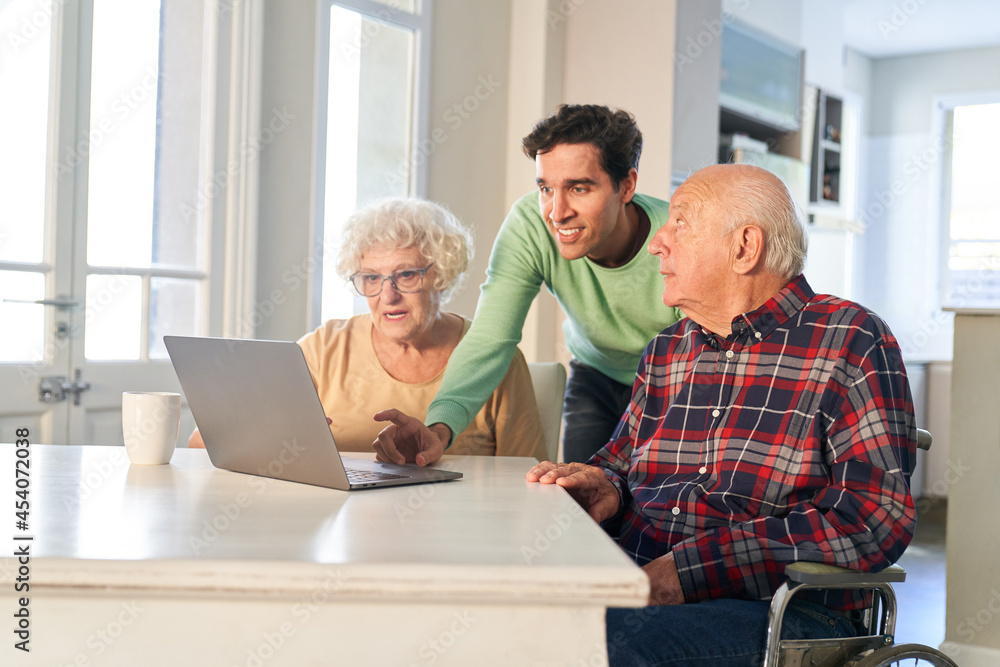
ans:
(150, 423)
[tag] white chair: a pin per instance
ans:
(548, 378)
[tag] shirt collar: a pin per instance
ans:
(776, 311)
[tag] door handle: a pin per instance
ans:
(53, 389)
(60, 302)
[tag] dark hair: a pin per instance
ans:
(613, 132)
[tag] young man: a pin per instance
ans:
(771, 425)
(582, 235)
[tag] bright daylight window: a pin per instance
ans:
(24, 67)
(972, 273)
(143, 231)
(371, 106)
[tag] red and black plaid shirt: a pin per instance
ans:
(791, 439)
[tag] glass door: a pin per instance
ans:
(104, 249)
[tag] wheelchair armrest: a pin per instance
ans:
(924, 439)
(832, 576)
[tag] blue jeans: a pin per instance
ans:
(715, 633)
(592, 408)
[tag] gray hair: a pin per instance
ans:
(767, 203)
(400, 223)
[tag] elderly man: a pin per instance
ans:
(771, 425)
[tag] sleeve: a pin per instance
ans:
(313, 345)
(615, 458)
(863, 519)
(518, 424)
(482, 358)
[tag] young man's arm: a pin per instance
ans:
(481, 360)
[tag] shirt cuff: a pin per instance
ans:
(612, 522)
(691, 571)
(451, 415)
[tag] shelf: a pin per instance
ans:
(829, 220)
(827, 150)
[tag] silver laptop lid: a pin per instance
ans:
(257, 408)
(258, 411)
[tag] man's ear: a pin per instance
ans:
(749, 248)
(626, 189)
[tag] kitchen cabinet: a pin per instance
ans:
(827, 157)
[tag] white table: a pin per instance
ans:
(185, 564)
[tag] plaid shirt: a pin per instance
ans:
(791, 439)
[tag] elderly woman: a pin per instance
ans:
(407, 257)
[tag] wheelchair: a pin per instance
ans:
(875, 649)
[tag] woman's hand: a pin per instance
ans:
(195, 441)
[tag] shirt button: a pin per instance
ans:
(729, 354)
(703, 470)
(716, 413)
(757, 334)
(675, 511)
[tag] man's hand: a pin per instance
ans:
(407, 440)
(664, 584)
(588, 485)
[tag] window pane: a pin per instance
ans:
(975, 173)
(114, 318)
(24, 76)
(369, 119)
(974, 224)
(21, 324)
(180, 199)
(122, 140)
(173, 308)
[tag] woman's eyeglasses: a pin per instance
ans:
(405, 281)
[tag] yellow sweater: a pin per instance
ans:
(353, 386)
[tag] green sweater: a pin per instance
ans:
(611, 314)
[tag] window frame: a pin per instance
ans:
(940, 241)
(419, 22)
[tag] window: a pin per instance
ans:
(375, 70)
(143, 243)
(24, 67)
(136, 148)
(107, 143)
(971, 229)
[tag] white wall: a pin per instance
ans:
(697, 65)
(467, 172)
(900, 250)
(284, 233)
(627, 64)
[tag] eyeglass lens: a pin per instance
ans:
(371, 284)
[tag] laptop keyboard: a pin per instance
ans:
(356, 476)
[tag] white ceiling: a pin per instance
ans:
(886, 28)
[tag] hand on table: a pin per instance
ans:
(588, 485)
(407, 440)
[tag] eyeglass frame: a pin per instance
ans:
(392, 280)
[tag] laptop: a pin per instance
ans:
(258, 412)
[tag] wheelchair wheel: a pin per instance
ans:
(905, 654)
